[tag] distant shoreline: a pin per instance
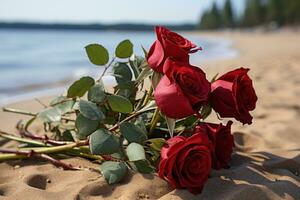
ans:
(92, 27)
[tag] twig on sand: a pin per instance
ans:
(33, 154)
(45, 139)
(22, 112)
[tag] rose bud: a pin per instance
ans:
(182, 90)
(169, 44)
(233, 95)
(186, 162)
(222, 141)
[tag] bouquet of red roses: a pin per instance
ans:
(148, 128)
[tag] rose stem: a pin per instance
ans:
(45, 139)
(106, 68)
(19, 139)
(154, 120)
(29, 113)
(32, 154)
(148, 97)
(43, 146)
(53, 149)
(132, 116)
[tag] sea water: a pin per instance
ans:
(35, 63)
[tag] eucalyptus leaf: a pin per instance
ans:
(122, 72)
(132, 133)
(119, 104)
(67, 136)
(97, 54)
(139, 122)
(124, 49)
(65, 106)
(90, 110)
(80, 87)
(51, 114)
(134, 66)
(85, 126)
(142, 166)
(135, 152)
(113, 172)
(103, 142)
(96, 93)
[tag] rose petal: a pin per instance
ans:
(155, 56)
(171, 101)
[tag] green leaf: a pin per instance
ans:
(96, 93)
(122, 73)
(142, 166)
(124, 49)
(150, 106)
(113, 172)
(132, 133)
(119, 104)
(80, 87)
(171, 125)
(85, 126)
(67, 136)
(98, 55)
(188, 121)
(103, 142)
(214, 78)
(205, 111)
(156, 143)
(90, 110)
(145, 73)
(139, 122)
(134, 66)
(155, 79)
(50, 115)
(29, 122)
(65, 106)
(127, 90)
(135, 152)
(145, 52)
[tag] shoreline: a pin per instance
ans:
(219, 49)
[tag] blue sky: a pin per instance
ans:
(107, 11)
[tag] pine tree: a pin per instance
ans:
(275, 11)
(211, 19)
(254, 13)
(292, 12)
(228, 20)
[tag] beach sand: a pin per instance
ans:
(265, 165)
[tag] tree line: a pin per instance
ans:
(256, 13)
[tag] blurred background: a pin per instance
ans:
(42, 42)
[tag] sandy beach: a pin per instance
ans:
(265, 165)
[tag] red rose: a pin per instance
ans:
(222, 141)
(186, 162)
(169, 44)
(233, 95)
(182, 90)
